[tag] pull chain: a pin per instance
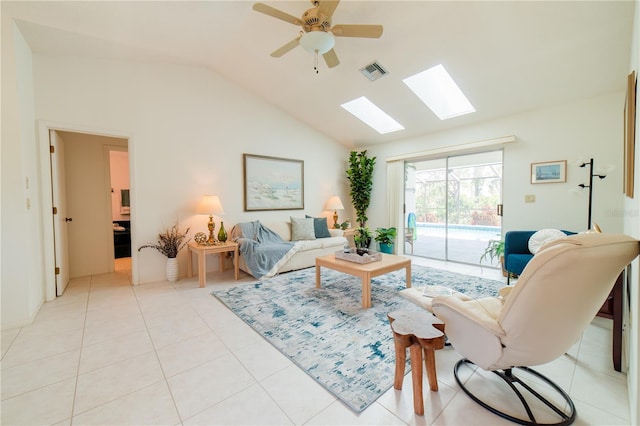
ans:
(315, 61)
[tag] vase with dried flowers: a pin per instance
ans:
(170, 243)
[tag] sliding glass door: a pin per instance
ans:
(451, 206)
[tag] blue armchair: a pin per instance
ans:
(516, 251)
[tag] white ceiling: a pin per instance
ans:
(507, 56)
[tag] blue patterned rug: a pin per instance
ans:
(347, 349)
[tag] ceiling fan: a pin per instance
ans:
(318, 34)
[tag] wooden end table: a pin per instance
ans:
(203, 251)
(366, 271)
(423, 334)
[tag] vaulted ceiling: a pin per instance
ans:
(506, 56)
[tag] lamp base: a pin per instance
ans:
(335, 219)
(212, 226)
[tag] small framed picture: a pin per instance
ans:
(549, 172)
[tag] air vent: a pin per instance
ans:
(374, 71)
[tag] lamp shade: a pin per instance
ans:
(210, 205)
(317, 41)
(334, 203)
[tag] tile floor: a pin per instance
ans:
(107, 353)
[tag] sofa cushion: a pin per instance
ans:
(542, 237)
(302, 229)
(320, 226)
(306, 245)
(336, 242)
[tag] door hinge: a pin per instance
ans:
(52, 149)
(57, 270)
(499, 210)
(55, 210)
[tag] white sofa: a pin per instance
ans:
(305, 252)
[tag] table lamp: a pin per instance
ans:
(334, 204)
(210, 205)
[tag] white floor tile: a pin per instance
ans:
(299, 395)
(27, 349)
(148, 406)
(202, 387)
(37, 374)
(106, 384)
(7, 338)
(187, 354)
(338, 414)
(98, 330)
(262, 359)
(588, 386)
(171, 353)
(400, 402)
(43, 406)
(113, 351)
(236, 410)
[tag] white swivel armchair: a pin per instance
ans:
(538, 319)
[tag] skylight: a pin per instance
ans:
(371, 115)
(439, 92)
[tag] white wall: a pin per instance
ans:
(589, 128)
(21, 232)
(189, 130)
(632, 227)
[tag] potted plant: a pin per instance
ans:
(386, 239)
(170, 243)
(360, 176)
(494, 251)
(362, 239)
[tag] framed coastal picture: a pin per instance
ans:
(549, 172)
(272, 183)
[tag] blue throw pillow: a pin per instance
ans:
(320, 226)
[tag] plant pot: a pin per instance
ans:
(386, 248)
(362, 251)
(504, 271)
(172, 269)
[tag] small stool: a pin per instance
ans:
(421, 332)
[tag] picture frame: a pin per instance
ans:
(549, 172)
(272, 183)
(629, 136)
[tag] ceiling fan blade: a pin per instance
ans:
(287, 47)
(268, 10)
(331, 58)
(327, 7)
(368, 31)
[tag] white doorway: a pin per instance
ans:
(89, 227)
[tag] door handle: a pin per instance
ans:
(68, 219)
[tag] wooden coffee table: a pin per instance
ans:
(389, 263)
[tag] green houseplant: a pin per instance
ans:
(360, 176)
(362, 239)
(386, 239)
(494, 251)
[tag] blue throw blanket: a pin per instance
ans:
(261, 247)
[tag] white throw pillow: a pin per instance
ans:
(543, 237)
(302, 229)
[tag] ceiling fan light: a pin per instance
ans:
(319, 41)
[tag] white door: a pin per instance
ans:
(60, 219)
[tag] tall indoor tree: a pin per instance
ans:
(360, 176)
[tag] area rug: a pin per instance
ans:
(347, 349)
